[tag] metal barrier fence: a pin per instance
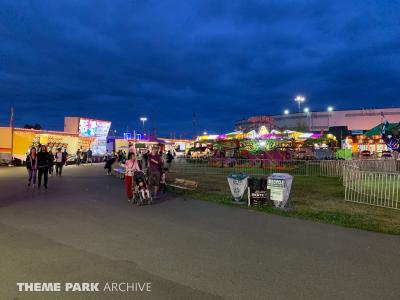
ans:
(371, 187)
(373, 165)
(256, 167)
(374, 182)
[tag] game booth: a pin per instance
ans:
(378, 142)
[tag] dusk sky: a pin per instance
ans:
(167, 59)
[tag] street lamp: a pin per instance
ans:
(143, 119)
(286, 111)
(204, 132)
(308, 117)
(300, 99)
(330, 109)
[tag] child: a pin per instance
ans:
(131, 165)
(163, 185)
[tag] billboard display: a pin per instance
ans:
(98, 130)
(93, 128)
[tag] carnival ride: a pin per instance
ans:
(391, 135)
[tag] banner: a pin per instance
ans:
(121, 144)
(5, 144)
(5, 139)
(23, 141)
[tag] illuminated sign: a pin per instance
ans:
(127, 135)
(93, 128)
(97, 129)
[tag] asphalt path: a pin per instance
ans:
(82, 230)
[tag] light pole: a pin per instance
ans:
(300, 99)
(309, 120)
(330, 110)
(143, 119)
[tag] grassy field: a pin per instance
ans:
(314, 198)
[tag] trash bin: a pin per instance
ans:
(280, 185)
(237, 184)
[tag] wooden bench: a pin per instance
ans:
(184, 184)
(119, 172)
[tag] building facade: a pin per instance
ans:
(354, 120)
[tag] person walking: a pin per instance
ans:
(145, 159)
(89, 156)
(43, 163)
(131, 165)
(169, 158)
(108, 165)
(113, 155)
(78, 157)
(60, 161)
(84, 158)
(163, 181)
(119, 155)
(65, 156)
(51, 164)
(31, 166)
(155, 170)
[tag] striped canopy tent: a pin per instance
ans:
(377, 130)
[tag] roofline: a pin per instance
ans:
(87, 118)
(323, 111)
(45, 131)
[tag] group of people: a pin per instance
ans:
(153, 163)
(41, 163)
(83, 157)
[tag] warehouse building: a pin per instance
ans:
(354, 120)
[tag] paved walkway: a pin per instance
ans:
(82, 230)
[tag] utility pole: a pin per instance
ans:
(12, 132)
(194, 126)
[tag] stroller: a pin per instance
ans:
(141, 191)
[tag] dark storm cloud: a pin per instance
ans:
(223, 60)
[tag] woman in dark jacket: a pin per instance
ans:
(43, 163)
(31, 166)
(109, 162)
(51, 162)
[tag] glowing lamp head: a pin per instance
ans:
(330, 108)
(306, 110)
(286, 111)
